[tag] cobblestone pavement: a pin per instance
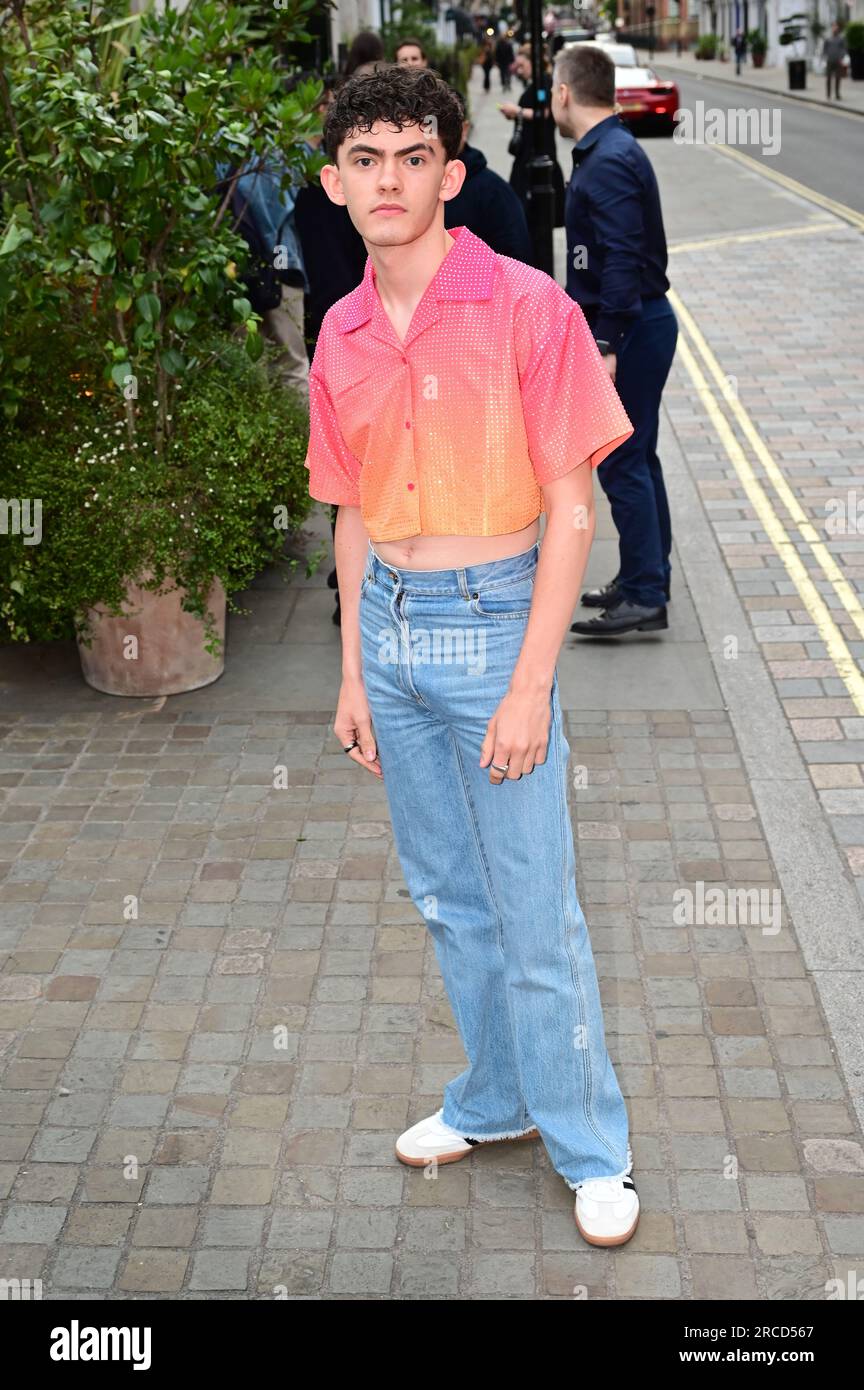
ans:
(218, 1006)
(797, 377)
(159, 1138)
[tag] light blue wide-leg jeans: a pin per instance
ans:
(490, 867)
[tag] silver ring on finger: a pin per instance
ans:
(506, 768)
(347, 747)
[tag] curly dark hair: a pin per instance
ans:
(398, 97)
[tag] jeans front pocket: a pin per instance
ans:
(510, 599)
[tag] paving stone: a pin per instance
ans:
(170, 1227)
(220, 1269)
(98, 1225)
(717, 1277)
(31, 1223)
(177, 1185)
(366, 1272)
(85, 1267)
(154, 1271)
(787, 1235)
(647, 1276)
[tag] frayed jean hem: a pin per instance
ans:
(611, 1177)
(488, 1138)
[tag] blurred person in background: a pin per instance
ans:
(834, 53)
(365, 53)
(487, 204)
(526, 111)
(410, 53)
(334, 256)
(739, 47)
(487, 59)
(504, 57)
(268, 202)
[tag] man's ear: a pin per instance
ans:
(455, 174)
(331, 182)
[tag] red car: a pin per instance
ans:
(647, 102)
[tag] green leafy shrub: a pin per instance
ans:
(132, 406)
(217, 501)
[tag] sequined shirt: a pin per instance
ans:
(497, 389)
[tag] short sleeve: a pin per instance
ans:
(571, 408)
(334, 472)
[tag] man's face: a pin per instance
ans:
(409, 56)
(392, 181)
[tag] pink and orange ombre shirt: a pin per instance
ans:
(497, 390)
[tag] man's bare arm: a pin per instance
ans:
(353, 719)
(517, 735)
(351, 545)
(567, 539)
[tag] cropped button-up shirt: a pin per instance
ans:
(497, 389)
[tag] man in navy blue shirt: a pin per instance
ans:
(616, 271)
(487, 204)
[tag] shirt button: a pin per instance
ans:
(410, 487)
(407, 424)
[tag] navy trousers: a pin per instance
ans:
(631, 476)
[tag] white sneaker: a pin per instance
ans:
(432, 1139)
(607, 1210)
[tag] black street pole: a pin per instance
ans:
(541, 203)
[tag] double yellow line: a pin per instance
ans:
(810, 194)
(761, 501)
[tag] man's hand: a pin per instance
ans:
(611, 363)
(353, 720)
(509, 109)
(517, 735)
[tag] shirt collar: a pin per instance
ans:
(466, 272)
(590, 138)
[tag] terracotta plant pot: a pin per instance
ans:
(758, 60)
(157, 649)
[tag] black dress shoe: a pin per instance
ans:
(602, 598)
(623, 617)
(608, 596)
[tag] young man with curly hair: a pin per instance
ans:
(455, 395)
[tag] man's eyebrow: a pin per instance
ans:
(409, 149)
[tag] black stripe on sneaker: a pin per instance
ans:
(629, 1183)
(471, 1141)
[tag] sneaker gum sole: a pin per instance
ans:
(454, 1157)
(607, 1240)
